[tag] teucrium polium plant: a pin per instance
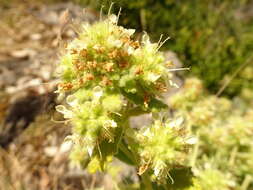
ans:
(108, 77)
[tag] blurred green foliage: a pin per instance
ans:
(222, 157)
(212, 37)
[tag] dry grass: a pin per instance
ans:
(36, 160)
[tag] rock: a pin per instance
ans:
(23, 53)
(7, 77)
(172, 56)
(35, 36)
(21, 113)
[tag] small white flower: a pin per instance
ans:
(137, 52)
(177, 122)
(173, 84)
(156, 171)
(153, 77)
(130, 32)
(117, 43)
(160, 165)
(147, 132)
(113, 124)
(66, 113)
(96, 47)
(90, 150)
(66, 146)
(72, 100)
(76, 44)
(114, 42)
(110, 123)
(192, 140)
(130, 50)
(145, 39)
(113, 19)
(98, 92)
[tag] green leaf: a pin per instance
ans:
(124, 158)
(157, 105)
(134, 98)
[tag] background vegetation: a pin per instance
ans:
(212, 37)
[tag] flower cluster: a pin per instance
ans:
(210, 179)
(199, 113)
(163, 146)
(105, 55)
(107, 76)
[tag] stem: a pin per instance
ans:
(246, 182)
(232, 156)
(127, 152)
(145, 178)
(146, 181)
(233, 76)
(143, 19)
(194, 154)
